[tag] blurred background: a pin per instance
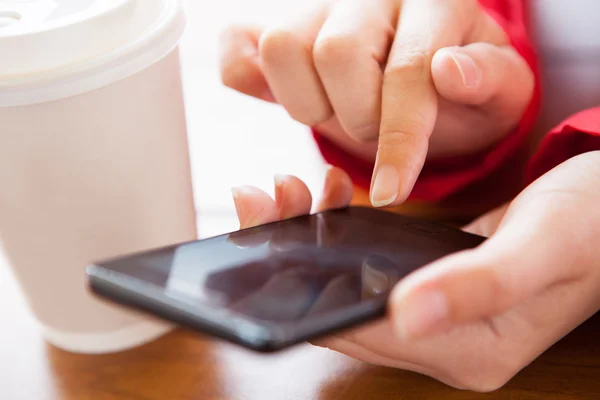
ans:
(234, 139)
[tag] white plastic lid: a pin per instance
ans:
(51, 49)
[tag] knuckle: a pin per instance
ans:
(502, 285)
(414, 131)
(397, 139)
(364, 133)
(486, 382)
(231, 75)
(311, 118)
(335, 50)
(502, 288)
(277, 41)
(309, 113)
(408, 63)
(227, 80)
(231, 33)
(490, 376)
(232, 65)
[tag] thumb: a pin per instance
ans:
(494, 77)
(517, 262)
(240, 62)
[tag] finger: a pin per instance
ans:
(333, 131)
(348, 54)
(495, 78)
(359, 352)
(293, 199)
(519, 261)
(466, 358)
(337, 191)
(480, 73)
(375, 343)
(291, 196)
(342, 345)
(254, 207)
(287, 62)
(240, 62)
(409, 97)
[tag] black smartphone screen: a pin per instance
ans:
(277, 284)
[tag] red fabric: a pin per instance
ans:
(442, 178)
(578, 134)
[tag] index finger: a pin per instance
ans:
(409, 103)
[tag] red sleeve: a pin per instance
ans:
(576, 135)
(442, 178)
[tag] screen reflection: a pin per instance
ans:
(294, 269)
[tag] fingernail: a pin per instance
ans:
(385, 186)
(279, 183)
(235, 193)
(279, 179)
(470, 72)
(423, 313)
(326, 186)
(238, 191)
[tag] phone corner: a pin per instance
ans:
(261, 338)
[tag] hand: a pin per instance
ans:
(476, 318)
(414, 78)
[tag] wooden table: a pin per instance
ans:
(187, 366)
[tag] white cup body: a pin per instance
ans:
(87, 177)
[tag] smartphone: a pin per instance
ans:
(275, 285)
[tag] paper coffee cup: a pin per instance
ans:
(94, 159)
